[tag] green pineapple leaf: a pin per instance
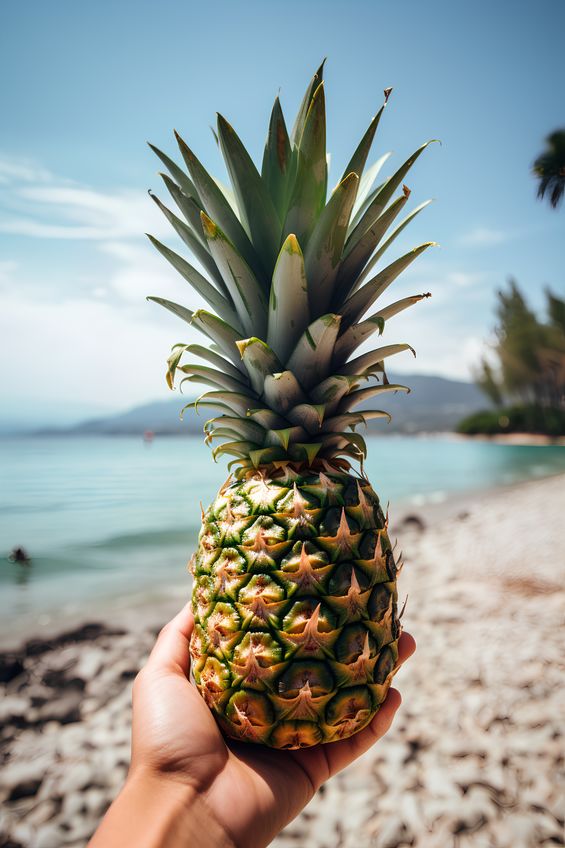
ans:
(256, 208)
(361, 395)
(298, 128)
(312, 356)
(216, 360)
(215, 204)
(194, 243)
(220, 332)
(325, 246)
(395, 233)
(203, 373)
(356, 335)
(358, 161)
(259, 361)
(246, 292)
(310, 183)
(362, 242)
(289, 313)
(177, 173)
(277, 159)
(282, 391)
(365, 186)
(364, 363)
(199, 283)
(355, 307)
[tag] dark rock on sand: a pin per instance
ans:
(11, 666)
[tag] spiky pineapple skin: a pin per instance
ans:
(295, 603)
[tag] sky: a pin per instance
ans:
(85, 85)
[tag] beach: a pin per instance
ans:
(476, 751)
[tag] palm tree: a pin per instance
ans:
(549, 168)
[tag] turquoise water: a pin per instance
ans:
(104, 517)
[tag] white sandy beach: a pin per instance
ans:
(476, 753)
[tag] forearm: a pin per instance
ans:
(151, 812)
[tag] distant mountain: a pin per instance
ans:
(434, 404)
(22, 416)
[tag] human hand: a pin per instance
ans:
(250, 790)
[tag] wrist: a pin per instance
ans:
(154, 811)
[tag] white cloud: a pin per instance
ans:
(38, 204)
(463, 279)
(86, 351)
(85, 331)
(7, 269)
(484, 237)
(14, 169)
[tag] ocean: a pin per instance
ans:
(110, 518)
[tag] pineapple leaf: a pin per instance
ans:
(355, 307)
(199, 283)
(362, 364)
(284, 436)
(310, 183)
(240, 449)
(308, 415)
(347, 438)
(312, 356)
(213, 377)
(196, 404)
(237, 402)
(267, 418)
(331, 390)
(277, 161)
(187, 205)
(215, 204)
(259, 361)
(381, 196)
(245, 290)
(216, 360)
(176, 308)
(396, 232)
(355, 336)
(243, 428)
(399, 306)
(283, 391)
(262, 456)
(362, 395)
(219, 332)
(298, 128)
(306, 451)
(363, 416)
(325, 246)
(362, 242)
(256, 208)
(194, 243)
(288, 303)
(358, 161)
(177, 173)
(365, 186)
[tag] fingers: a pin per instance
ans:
(171, 648)
(406, 647)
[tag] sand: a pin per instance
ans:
(476, 754)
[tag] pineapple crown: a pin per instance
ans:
(290, 278)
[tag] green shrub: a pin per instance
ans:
(515, 419)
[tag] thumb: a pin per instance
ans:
(171, 650)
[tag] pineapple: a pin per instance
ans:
(295, 598)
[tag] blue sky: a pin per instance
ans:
(85, 85)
